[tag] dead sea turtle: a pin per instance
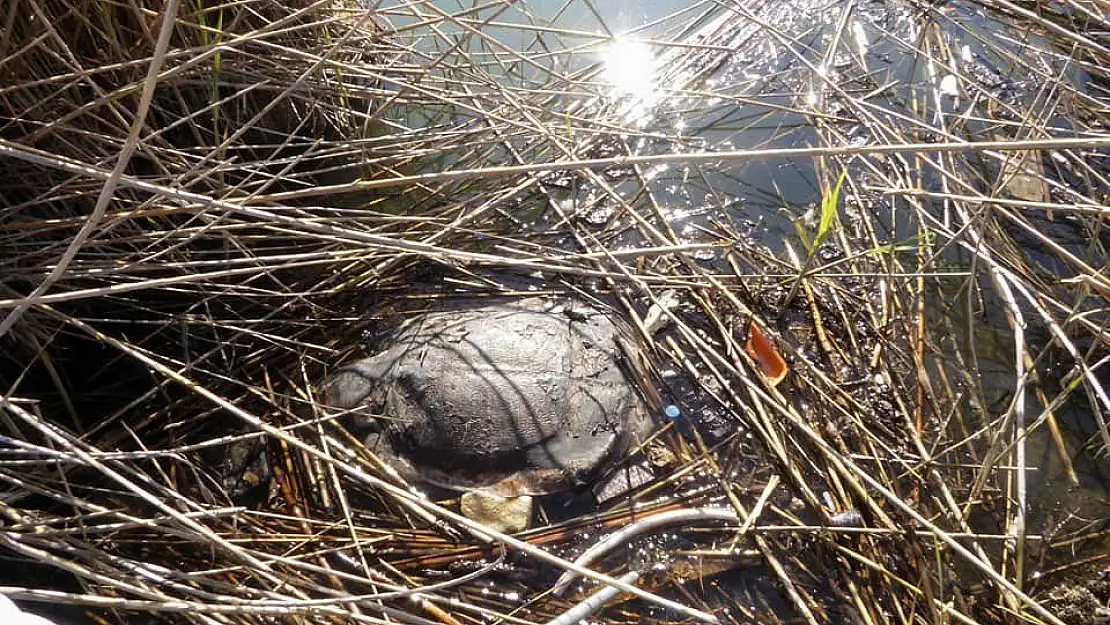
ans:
(499, 400)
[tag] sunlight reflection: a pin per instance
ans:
(629, 66)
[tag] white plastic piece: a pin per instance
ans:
(592, 604)
(647, 524)
(656, 317)
(950, 86)
(10, 614)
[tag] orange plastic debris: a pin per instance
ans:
(770, 362)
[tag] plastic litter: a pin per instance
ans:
(10, 614)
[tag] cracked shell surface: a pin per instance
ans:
(514, 398)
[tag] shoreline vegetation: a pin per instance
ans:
(862, 245)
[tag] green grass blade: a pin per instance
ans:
(829, 212)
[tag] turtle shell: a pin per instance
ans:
(525, 397)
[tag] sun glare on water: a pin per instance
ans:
(629, 67)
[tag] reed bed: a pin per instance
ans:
(208, 206)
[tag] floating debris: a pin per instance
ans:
(771, 364)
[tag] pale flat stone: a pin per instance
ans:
(508, 515)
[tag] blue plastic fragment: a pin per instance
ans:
(672, 412)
